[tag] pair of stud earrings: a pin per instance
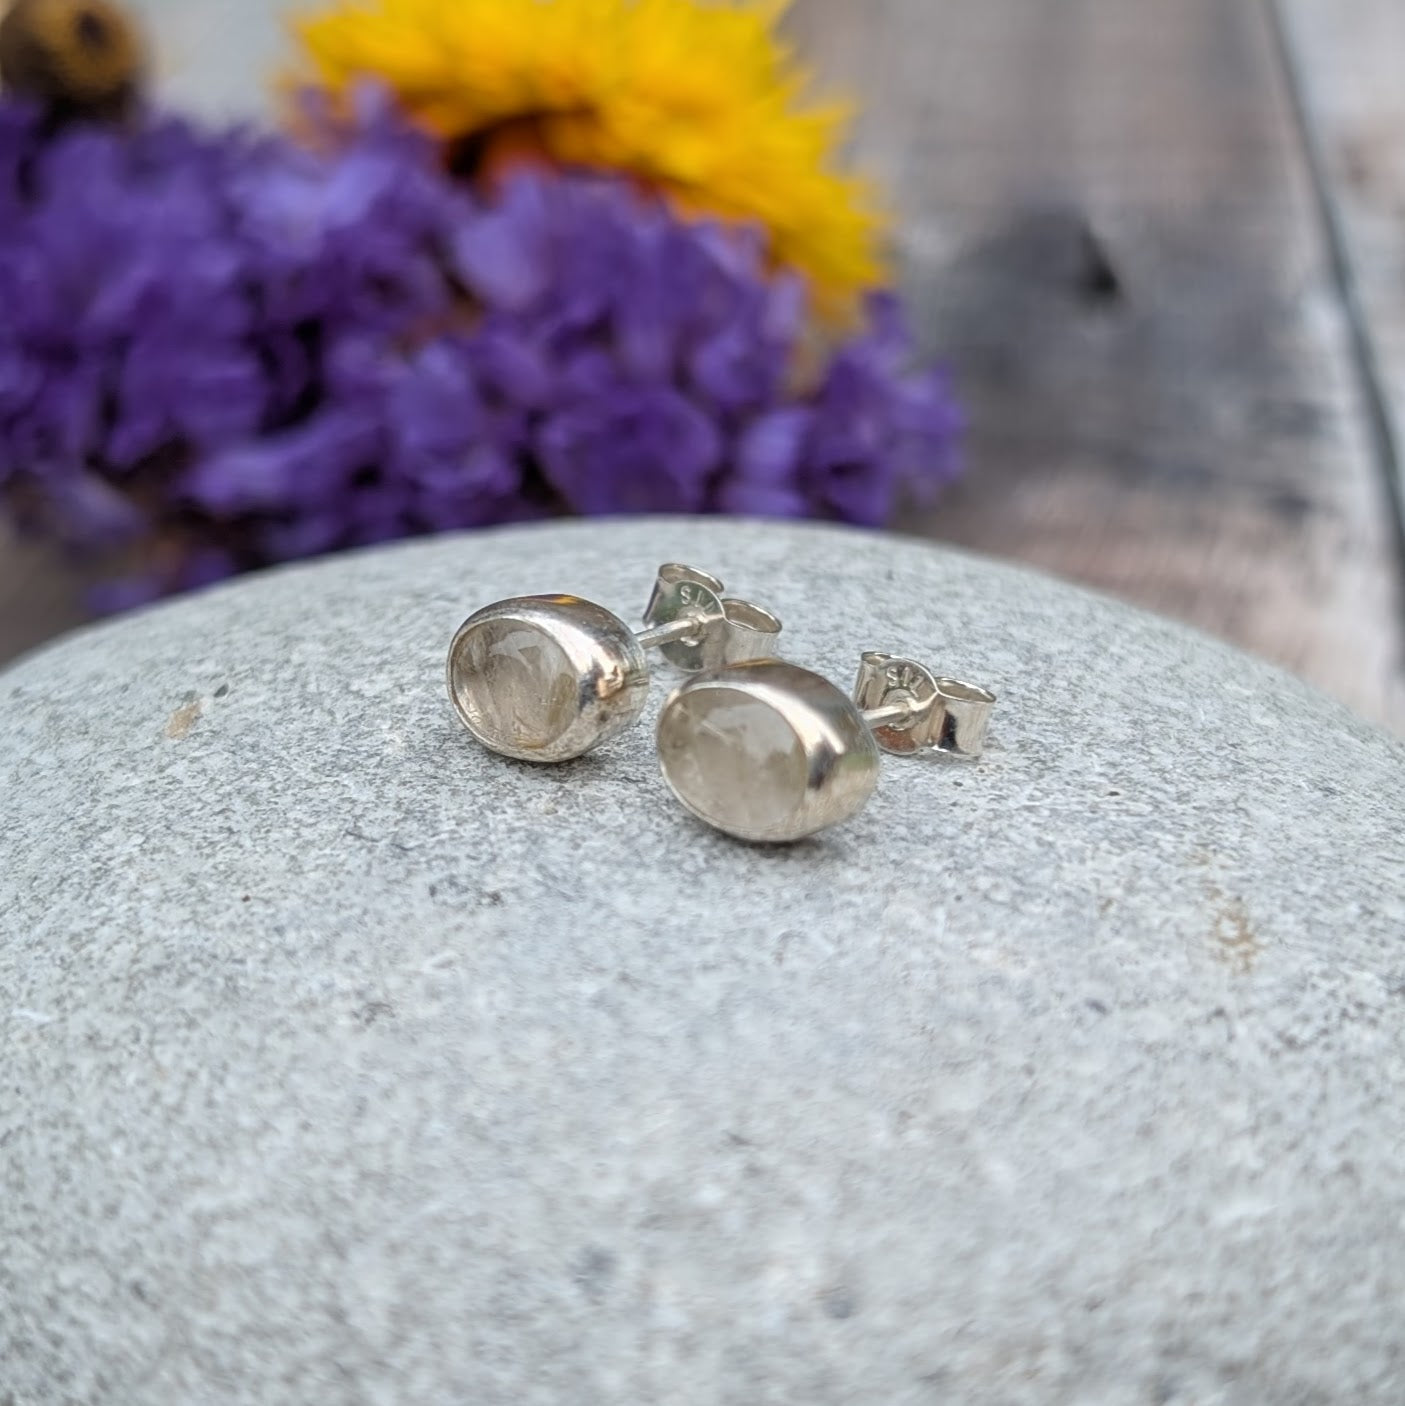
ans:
(754, 746)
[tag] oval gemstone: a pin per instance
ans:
(516, 685)
(735, 761)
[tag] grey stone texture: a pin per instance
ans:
(344, 1062)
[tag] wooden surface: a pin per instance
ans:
(1348, 57)
(1113, 228)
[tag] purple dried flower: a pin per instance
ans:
(631, 449)
(222, 349)
(768, 459)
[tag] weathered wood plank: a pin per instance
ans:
(1107, 224)
(1347, 58)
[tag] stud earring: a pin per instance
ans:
(770, 751)
(546, 678)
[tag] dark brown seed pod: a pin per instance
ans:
(79, 57)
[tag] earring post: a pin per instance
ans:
(686, 627)
(890, 714)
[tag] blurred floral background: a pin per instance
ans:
(1134, 270)
(503, 262)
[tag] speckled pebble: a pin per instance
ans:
(343, 1062)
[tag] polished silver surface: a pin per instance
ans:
(727, 631)
(912, 710)
(766, 751)
(963, 711)
(547, 678)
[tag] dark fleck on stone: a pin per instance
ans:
(593, 1270)
(839, 1303)
(371, 1012)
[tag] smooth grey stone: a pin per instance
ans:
(345, 1062)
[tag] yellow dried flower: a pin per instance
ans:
(701, 100)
